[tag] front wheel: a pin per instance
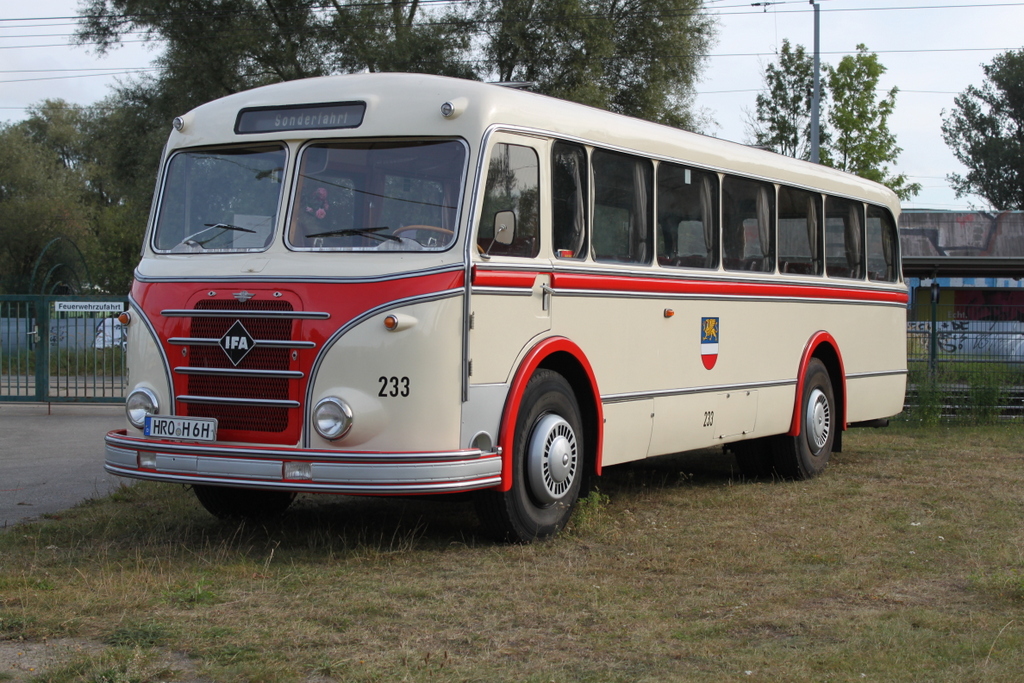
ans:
(805, 456)
(547, 465)
(231, 503)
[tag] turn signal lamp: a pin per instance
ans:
(124, 318)
(398, 321)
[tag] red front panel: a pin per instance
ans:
(261, 424)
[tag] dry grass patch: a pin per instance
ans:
(905, 561)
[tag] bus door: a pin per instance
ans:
(510, 302)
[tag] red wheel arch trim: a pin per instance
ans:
(531, 362)
(817, 340)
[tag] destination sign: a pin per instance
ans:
(300, 117)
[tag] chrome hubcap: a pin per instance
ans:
(818, 420)
(552, 458)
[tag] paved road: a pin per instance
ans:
(51, 457)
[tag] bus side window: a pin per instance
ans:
(569, 200)
(687, 209)
(622, 208)
(748, 235)
(513, 184)
(799, 232)
(844, 238)
(883, 245)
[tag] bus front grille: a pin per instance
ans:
(233, 384)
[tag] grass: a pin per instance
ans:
(65, 361)
(968, 393)
(904, 562)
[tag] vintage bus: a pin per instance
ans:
(397, 284)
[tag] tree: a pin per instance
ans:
(635, 57)
(783, 117)
(212, 49)
(862, 143)
(854, 135)
(985, 131)
(40, 200)
(96, 147)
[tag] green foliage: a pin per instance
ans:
(146, 634)
(863, 144)
(854, 135)
(84, 176)
(985, 131)
(783, 117)
(589, 511)
(960, 392)
(639, 57)
(40, 199)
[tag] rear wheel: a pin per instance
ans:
(547, 465)
(806, 455)
(232, 503)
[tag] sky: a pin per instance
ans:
(932, 50)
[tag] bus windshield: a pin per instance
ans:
(220, 200)
(377, 196)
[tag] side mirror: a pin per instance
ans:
(504, 227)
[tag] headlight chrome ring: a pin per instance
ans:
(140, 403)
(332, 418)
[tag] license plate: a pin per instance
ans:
(191, 428)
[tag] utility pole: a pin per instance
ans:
(816, 95)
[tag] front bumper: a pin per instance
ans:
(329, 471)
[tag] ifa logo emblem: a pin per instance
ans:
(237, 342)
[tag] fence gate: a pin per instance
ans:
(62, 348)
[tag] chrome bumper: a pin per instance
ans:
(330, 471)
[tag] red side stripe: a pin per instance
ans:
(575, 281)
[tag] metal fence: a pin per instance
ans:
(967, 362)
(62, 348)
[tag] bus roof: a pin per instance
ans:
(399, 104)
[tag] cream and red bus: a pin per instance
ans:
(396, 284)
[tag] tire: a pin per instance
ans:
(547, 465)
(806, 455)
(755, 457)
(231, 503)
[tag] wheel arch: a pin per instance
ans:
(825, 348)
(563, 356)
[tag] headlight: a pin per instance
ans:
(139, 404)
(332, 418)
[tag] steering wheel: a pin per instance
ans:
(427, 228)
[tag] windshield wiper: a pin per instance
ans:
(227, 226)
(191, 239)
(359, 232)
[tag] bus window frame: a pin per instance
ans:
(164, 178)
(293, 189)
(582, 254)
(817, 259)
(716, 216)
(481, 221)
(649, 237)
(772, 255)
(897, 251)
(862, 233)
